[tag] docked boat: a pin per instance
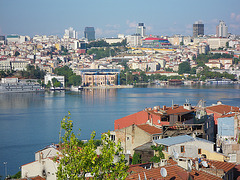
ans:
(76, 88)
(20, 87)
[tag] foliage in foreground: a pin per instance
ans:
(77, 161)
(159, 154)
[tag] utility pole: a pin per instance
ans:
(5, 167)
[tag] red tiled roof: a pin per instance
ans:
(152, 39)
(150, 129)
(226, 166)
(140, 117)
(227, 115)
(173, 172)
(222, 109)
(34, 178)
(177, 110)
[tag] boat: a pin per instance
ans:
(76, 88)
(20, 87)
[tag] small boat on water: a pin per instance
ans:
(76, 88)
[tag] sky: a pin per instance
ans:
(113, 17)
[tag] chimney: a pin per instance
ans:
(164, 107)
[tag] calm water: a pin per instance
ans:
(29, 121)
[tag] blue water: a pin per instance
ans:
(30, 121)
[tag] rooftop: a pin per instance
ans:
(179, 140)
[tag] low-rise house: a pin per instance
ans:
(136, 135)
(188, 146)
(185, 168)
(45, 164)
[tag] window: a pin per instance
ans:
(128, 138)
(182, 149)
(199, 151)
(166, 148)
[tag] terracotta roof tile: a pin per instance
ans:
(150, 129)
(223, 109)
(173, 172)
(34, 178)
(226, 166)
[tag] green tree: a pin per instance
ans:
(159, 154)
(70, 77)
(77, 161)
(16, 53)
(75, 80)
(184, 67)
(136, 159)
(56, 83)
(48, 85)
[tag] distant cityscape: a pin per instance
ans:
(100, 61)
(202, 142)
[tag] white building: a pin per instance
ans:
(19, 65)
(215, 43)
(222, 29)
(141, 29)
(134, 40)
(44, 164)
(49, 77)
(70, 33)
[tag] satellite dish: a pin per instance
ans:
(145, 177)
(175, 154)
(163, 172)
(204, 163)
(190, 161)
(189, 167)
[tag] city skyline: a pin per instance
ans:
(110, 18)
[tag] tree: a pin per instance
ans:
(136, 158)
(159, 155)
(16, 53)
(184, 67)
(56, 83)
(75, 80)
(79, 159)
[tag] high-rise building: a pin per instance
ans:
(198, 29)
(222, 29)
(89, 33)
(70, 33)
(141, 29)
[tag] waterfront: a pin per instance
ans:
(31, 121)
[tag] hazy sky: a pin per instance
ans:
(112, 17)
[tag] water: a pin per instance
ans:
(29, 122)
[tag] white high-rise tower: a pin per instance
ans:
(222, 29)
(141, 29)
(71, 33)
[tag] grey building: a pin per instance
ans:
(198, 29)
(89, 33)
(141, 29)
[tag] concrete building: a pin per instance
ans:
(70, 33)
(198, 29)
(44, 164)
(13, 38)
(113, 40)
(19, 65)
(188, 146)
(100, 77)
(141, 29)
(2, 39)
(222, 29)
(134, 40)
(215, 43)
(136, 135)
(89, 33)
(49, 77)
(5, 65)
